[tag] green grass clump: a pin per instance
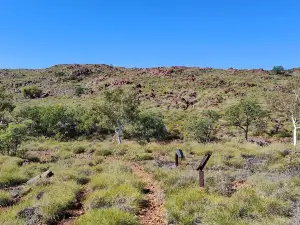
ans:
(31, 92)
(113, 175)
(78, 150)
(186, 205)
(12, 173)
(107, 216)
(5, 199)
(54, 199)
(143, 157)
(125, 197)
(103, 152)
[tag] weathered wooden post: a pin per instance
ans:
(178, 154)
(201, 167)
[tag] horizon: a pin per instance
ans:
(117, 66)
(131, 34)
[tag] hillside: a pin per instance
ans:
(177, 92)
(60, 162)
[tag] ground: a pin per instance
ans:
(96, 181)
(244, 184)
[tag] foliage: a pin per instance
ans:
(59, 74)
(107, 216)
(278, 69)
(12, 138)
(5, 199)
(204, 128)
(117, 105)
(79, 91)
(244, 114)
(51, 121)
(78, 150)
(125, 197)
(6, 103)
(288, 101)
(31, 92)
(150, 125)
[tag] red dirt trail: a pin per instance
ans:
(153, 213)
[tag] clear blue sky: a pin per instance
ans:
(148, 33)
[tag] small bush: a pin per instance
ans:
(5, 199)
(79, 150)
(278, 70)
(144, 157)
(107, 216)
(31, 92)
(103, 152)
(151, 126)
(79, 91)
(59, 74)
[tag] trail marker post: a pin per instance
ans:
(201, 167)
(178, 154)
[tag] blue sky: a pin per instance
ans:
(144, 33)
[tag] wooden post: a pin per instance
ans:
(178, 154)
(201, 178)
(201, 167)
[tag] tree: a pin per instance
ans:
(31, 92)
(117, 109)
(6, 104)
(203, 129)
(56, 120)
(278, 69)
(288, 102)
(245, 114)
(12, 138)
(151, 125)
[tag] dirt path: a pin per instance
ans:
(72, 214)
(153, 211)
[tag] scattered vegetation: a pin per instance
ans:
(245, 114)
(107, 216)
(158, 110)
(31, 92)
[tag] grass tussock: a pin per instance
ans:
(5, 199)
(107, 216)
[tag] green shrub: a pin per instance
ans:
(278, 70)
(12, 138)
(59, 74)
(150, 126)
(107, 216)
(6, 103)
(5, 199)
(245, 114)
(203, 129)
(79, 91)
(103, 152)
(78, 150)
(31, 92)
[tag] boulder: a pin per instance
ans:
(45, 175)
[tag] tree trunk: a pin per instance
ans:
(118, 132)
(246, 133)
(295, 130)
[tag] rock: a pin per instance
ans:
(44, 95)
(32, 215)
(286, 152)
(19, 191)
(45, 175)
(40, 195)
